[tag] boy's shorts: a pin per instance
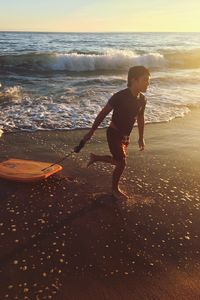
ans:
(117, 143)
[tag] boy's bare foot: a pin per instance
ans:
(92, 159)
(119, 195)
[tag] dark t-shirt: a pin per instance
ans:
(126, 108)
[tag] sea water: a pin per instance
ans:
(51, 81)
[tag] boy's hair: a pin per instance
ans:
(136, 72)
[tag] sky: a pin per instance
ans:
(100, 16)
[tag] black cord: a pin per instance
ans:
(76, 149)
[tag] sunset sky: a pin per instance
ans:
(104, 15)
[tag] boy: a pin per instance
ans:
(127, 105)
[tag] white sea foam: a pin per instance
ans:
(10, 94)
(111, 60)
(78, 107)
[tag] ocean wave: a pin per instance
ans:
(187, 59)
(111, 60)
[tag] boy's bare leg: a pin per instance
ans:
(117, 193)
(120, 166)
(101, 158)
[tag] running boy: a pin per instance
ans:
(128, 105)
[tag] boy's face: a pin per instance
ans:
(141, 83)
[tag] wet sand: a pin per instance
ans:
(67, 238)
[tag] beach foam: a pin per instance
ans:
(10, 94)
(77, 107)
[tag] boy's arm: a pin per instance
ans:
(99, 119)
(140, 121)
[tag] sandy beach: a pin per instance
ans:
(67, 238)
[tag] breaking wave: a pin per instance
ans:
(78, 62)
(112, 60)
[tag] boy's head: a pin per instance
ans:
(138, 76)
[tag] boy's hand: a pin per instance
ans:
(88, 136)
(141, 144)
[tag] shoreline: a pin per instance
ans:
(145, 248)
(87, 128)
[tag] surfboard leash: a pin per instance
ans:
(76, 149)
